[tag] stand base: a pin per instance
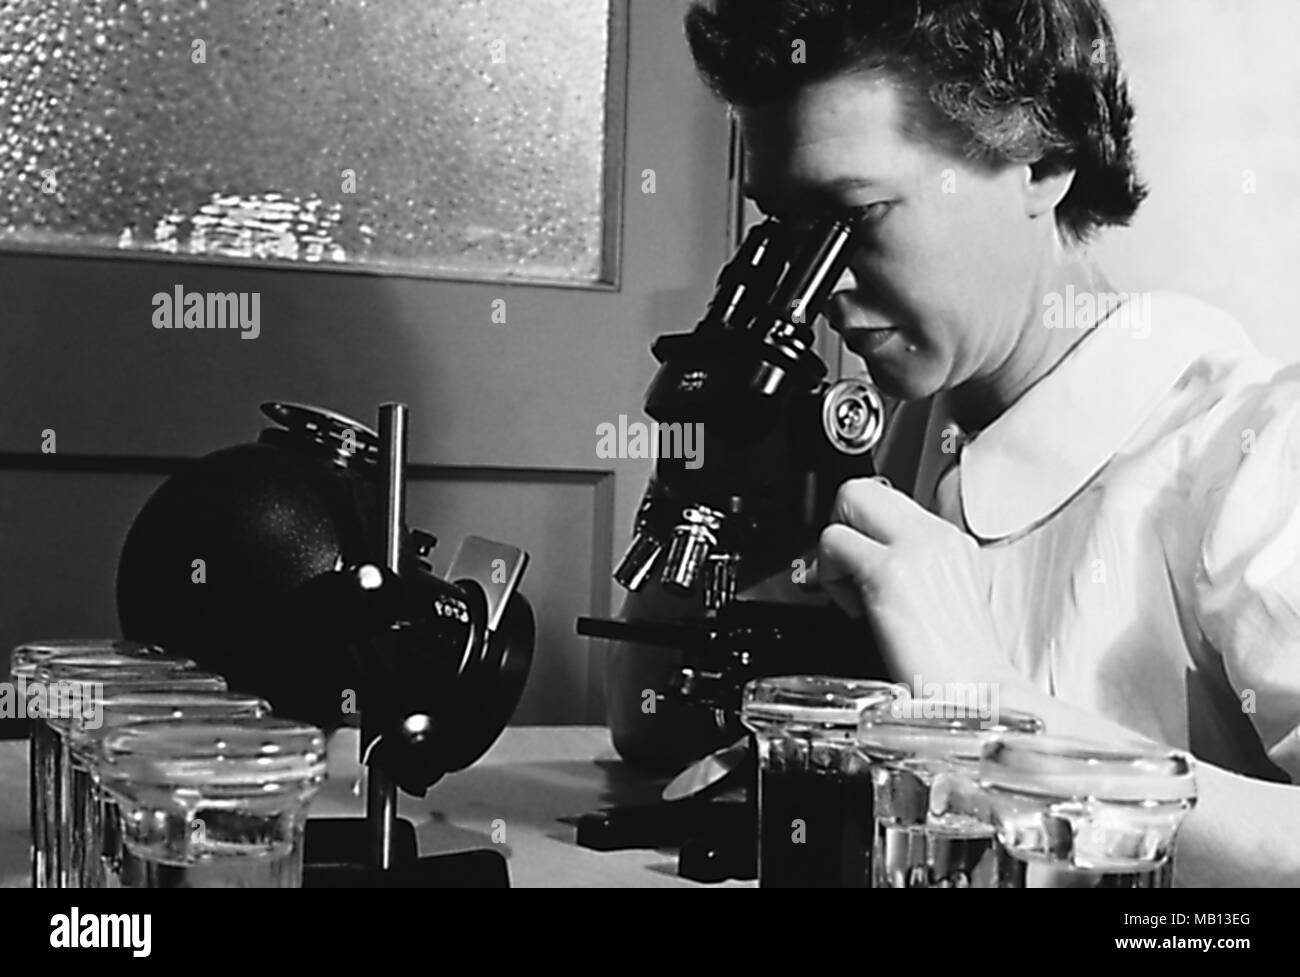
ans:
(478, 869)
(336, 855)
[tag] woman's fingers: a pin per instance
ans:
(882, 512)
(846, 562)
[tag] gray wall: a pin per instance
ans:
(1216, 84)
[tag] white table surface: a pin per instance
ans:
(532, 777)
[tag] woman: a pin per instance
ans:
(1106, 523)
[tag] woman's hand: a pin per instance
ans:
(920, 583)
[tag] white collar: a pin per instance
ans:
(1048, 445)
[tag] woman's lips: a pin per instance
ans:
(867, 341)
(864, 331)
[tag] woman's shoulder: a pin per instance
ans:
(1246, 475)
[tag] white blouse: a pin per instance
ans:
(1139, 512)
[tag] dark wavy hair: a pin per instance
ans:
(995, 81)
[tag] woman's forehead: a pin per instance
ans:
(839, 134)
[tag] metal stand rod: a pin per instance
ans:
(381, 794)
(392, 442)
(381, 816)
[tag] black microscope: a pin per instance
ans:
(779, 439)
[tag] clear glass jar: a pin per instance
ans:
(67, 690)
(24, 659)
(97, 852)
(814, 792)
(213, 804)
(933, 826)
(1071, 813)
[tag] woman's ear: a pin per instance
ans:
(1046, 185)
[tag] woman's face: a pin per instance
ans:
(947, 255)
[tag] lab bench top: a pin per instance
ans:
(518, 792)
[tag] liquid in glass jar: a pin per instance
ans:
(97, 852)
(66, 690)
(1074, 814)
(814, 787)
(213, 804)
(933, 825)
(24, 659)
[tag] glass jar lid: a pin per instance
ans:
(26, 657)
(263, 755)
(73, 694)
(1070, 768)
(816, 700)
(109, 663)
(120, 706)
(937, 729)
(135, 705)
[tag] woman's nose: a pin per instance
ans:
(835, 308)
(847, 282)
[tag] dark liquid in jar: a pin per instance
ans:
(1016, 873)
(815, 830)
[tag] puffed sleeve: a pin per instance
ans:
(1247, 588)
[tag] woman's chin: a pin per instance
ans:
(902, 378)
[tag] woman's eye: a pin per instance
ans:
(870, 214)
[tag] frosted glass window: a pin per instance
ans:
(457, 138)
